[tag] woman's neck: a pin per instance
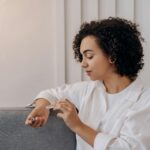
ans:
(115, 84)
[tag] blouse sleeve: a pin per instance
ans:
(134, 135)
(73, 92)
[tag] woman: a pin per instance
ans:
(114, 107)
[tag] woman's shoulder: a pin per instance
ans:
(144, 98)
(145, 94)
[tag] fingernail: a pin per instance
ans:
(26, 123)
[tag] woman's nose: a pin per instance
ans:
(84, 64)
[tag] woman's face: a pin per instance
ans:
(95, 63)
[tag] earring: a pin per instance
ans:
(112, 60)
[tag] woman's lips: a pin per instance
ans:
(88, 73)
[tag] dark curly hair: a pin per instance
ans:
(119, 39)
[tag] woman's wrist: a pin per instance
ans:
(78, 127)
(41, 102)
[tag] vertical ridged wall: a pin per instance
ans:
(73, 12)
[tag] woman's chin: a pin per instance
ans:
(92, 78)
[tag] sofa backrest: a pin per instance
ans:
(15, 135)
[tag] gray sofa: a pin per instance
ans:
(15, 135)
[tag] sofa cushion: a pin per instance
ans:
(15, 135)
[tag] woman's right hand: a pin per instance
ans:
(38, 117)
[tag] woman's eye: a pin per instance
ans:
(89, 57)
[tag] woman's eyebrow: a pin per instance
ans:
(87, 50)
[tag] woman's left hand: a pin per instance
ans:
(68, 114)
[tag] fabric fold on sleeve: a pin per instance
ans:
(102, 140)
(73, 92)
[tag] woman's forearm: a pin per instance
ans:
(86, 133)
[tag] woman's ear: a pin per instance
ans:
(111, 60)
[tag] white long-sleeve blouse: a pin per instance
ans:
(122, 119)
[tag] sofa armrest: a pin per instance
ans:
(15, 135)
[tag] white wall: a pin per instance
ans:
(36, 42)
(27, 46)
